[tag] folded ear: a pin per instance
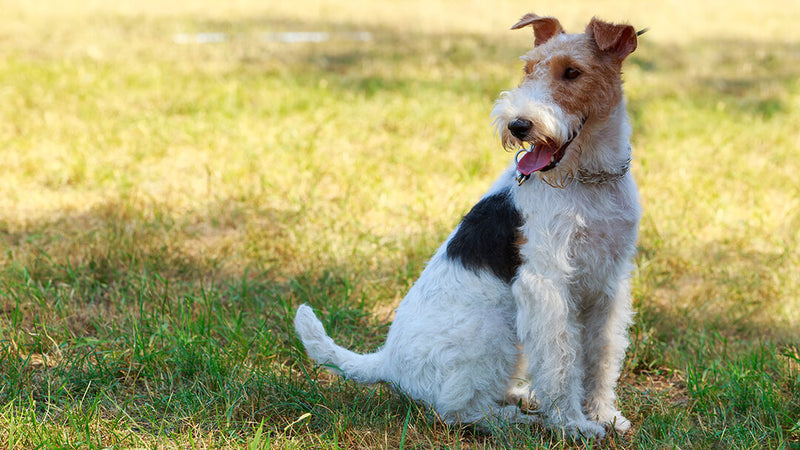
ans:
(618, 39)
(544, 28)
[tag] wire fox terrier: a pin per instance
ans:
(535, 279)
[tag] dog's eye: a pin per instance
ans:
(571, 73)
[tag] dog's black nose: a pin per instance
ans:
(520, 127)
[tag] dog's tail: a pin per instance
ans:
(367, 368)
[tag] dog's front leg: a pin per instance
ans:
(548, 329)
(605, 338)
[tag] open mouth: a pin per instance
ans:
(542, 156)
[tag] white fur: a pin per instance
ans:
(456, 339)
(532, 101)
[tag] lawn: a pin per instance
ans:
(177, 177)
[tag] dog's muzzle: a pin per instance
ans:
(543, 155)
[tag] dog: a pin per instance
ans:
(535, 278)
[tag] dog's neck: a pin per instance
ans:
(602, 177)
(606, 154)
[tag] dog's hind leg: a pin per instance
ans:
(491, 415)
(502, 415)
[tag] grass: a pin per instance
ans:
(166, 206)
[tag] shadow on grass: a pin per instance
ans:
(172, 351)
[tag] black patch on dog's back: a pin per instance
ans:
(487, 237)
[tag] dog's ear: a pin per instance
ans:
(618, 39)
(543, 27)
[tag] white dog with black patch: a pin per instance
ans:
(536, 276)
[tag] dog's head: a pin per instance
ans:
(571, 82)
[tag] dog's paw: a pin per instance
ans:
(583, 429)
(618, 421)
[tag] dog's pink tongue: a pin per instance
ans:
(536, 159)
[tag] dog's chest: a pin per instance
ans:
(585, 233)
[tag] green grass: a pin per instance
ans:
(166, 207)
